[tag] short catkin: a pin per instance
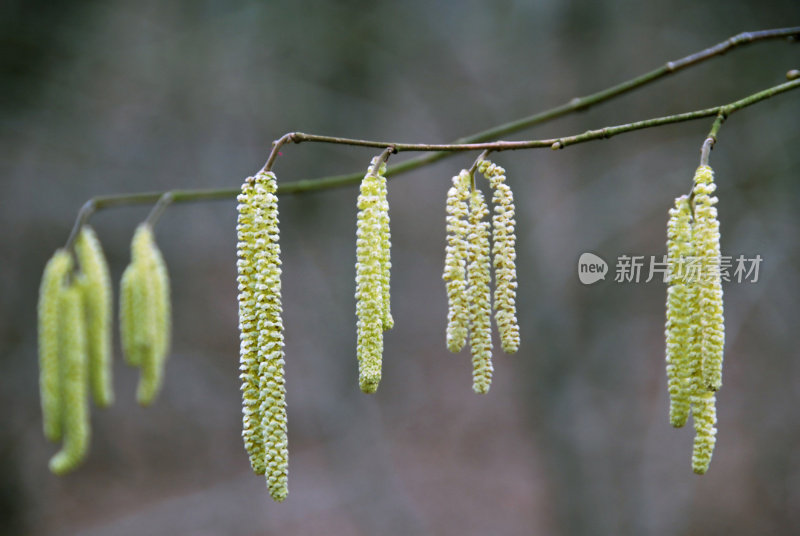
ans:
(73, 350)
(504, 249)
(53, 281)
(478, 276)
(372, 280)
(95, 284)
(261, 332)
(455, 264)
(145, 322)
(680, 299)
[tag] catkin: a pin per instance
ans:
(680, 299)
(73, 350)
(145, 322)
(371, 277)
(53, 280)
(95, 284)
(706, 239)
(478, 275)
(695, 331)
(504, 249)
(386, 253)
(455, 264)
(262, 362)
(704, 416)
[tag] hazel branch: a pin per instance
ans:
(472, 142)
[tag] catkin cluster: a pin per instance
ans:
(264, 428)
(695, 330)
(144, 313)
(467, 270)
(74, 346)
(373, 266)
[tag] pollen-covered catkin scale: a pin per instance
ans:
(269, 325)
(709, 288)
(455, 263)
(680, 300)
(369, 279)
(75, 382)
(95, 282)
(478, 275)
(53, 280)
(504, 240)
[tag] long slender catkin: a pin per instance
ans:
(455, 263)
(504, 240)
(370, 278)
(74, 381)
(478, 275)
(53, 281)
(95, 284)
(261, 330)
(680, 300)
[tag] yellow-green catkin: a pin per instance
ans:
(455, 263)
(73, 350)
(261, 333)
(53, 281)
(386, 248)
(252, 430)
(478, 276)
(707, 248)
(270, 336)
(95, 283)
(370, 296)
(704, 416)
(680, 300)
(504, 240)
(145, 320)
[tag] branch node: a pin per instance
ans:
(793, 74)
(557, 145)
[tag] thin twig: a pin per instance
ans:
(471, 142)
(276, 147)
(161, 205)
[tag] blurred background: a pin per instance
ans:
(128, 96)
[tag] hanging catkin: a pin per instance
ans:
(478, 275)
(455, 264)
(261, 333)
(680, 300)
(74, 380)
(706, 239)
(695, 331)
(504, 249)
(95, 284)
(145, 320)
(53, 281)
(372, 277)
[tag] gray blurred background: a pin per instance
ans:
(128, 96)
